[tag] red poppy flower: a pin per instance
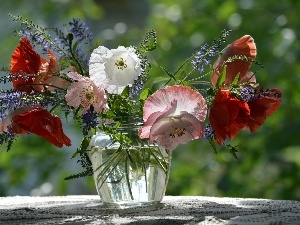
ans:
(228, 115)
(263, 105)
(243, 46)
(24, 60)
(39, 121)
(30, 68)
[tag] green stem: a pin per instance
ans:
(75, 59)
(109, 161)
(144, 167)
(129, 156)
(165, 169)
(127, 178)
(107, 170)
(40, 30)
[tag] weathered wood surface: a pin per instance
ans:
(173, 210)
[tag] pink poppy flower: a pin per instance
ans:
(173, 115)
(85, 93)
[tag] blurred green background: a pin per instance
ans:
(269, 160)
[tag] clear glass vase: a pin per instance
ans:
(136, 175)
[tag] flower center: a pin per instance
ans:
(121, 64)
(177, 132)
(87, 95)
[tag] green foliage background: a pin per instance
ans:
(269, 160)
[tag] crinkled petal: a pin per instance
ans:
(263, 106)
(173, 115)
(114, 69)
(73, 94)
(24, 60)
(85, 93)
(168, 113)
(169, 132)
(42, 123)
(30, 68)
(144, 132)
(243, 46)
(227, 116)
(53, 63)
(47, 76)
(187, 100)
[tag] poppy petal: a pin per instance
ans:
(24, 60)
(243, 46)
(187, 100)
(228, 115)
(265, 103)
(40, 122)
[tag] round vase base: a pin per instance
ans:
(130, 204)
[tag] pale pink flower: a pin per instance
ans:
(85, 93)
(173, 115)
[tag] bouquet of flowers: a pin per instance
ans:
(103, 85)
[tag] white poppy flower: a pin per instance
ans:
(114, 69)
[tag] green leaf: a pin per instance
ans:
(221, 78)
(85, 142)
(110, 114)
(75, 45)
(233, 150)
(79, 175)
(83, 146)
(144, 95)
(125, 92)
(182, 75)
(168, 73)
(186, 83)
(213, 145)
(156, 80)
(149, 42)
(236, 79)
(211, 91)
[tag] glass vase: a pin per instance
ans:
(135, 175)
